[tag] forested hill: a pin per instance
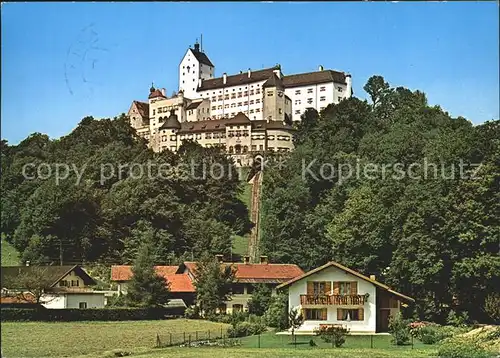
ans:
(433, 234)
(104, 207)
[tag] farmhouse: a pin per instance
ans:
(247, 274)
(337, 295)
(63, 286)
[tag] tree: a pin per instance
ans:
(377, 88)
(261, 299)
(147, 288)
(213, 283)
(277, 314)
(295, 320)
(30, 285)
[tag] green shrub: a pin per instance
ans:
(332, 334)
(90, 314)
(243, 329)
(457, 319)
(492, 306)
(459, 347)
(277, 314)
(399, 329)
(192, 312)
(312, 343)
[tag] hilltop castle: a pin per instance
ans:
(247, 113)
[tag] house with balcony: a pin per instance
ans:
(337, 295)
(62, 286)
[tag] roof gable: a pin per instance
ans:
(54, 273)
(347, 270)
(201, 57)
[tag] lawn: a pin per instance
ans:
(10, 257)
(70, 339)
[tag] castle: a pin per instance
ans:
(246, 114)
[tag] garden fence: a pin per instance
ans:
(219, 337)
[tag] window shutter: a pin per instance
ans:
(336, 288)
(339, 314)
(310, 288)
(354, 288)
(328, 287)
(324, 314)
(303, 312)
(361, 314)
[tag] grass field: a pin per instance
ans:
(283, 352)
(10, 256)
(70, 339)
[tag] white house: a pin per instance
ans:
(65, 286)
(336, 295)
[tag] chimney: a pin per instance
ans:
(163, 92)
(200, 82)
(219, 257)
(249, 73)
(320, 68)
(348, 81)
(373, 277)
(197, 46)
(224, 78)
(241, 72)
(263, 260)
(246, 259)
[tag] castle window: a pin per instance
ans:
(163, 138)
(233, 105)
(159, 110)
(339, 99)
(309, 90)
(245, 103)
(309, 100)
(239, 104)
(297, 111)
(208, 136)
(297, 91)
(226, 105)
(322, 89)
(252, 101)
(251, 111)
(280, 111)
(297, 102)
(257, 110)
(257, 91)
(339, 89)
(251, 92)
(254, 148)
(322, 98)
(233, 95)
(214, 98)
(154, 112)
(261, 147)
(269, 94)
(172, 137)
(257, 100)
(226, 96)
(245, 93)
(214, 108)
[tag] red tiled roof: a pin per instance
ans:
(254, 273)
(180, 283)
(124, 272)
(27, 298)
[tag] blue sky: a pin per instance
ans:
(64, 61)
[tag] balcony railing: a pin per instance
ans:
(332, 299)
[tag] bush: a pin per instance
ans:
(399, 329)
(460, 347)
(431, 333)
(243, 329)
(492, 307)
(457, 319)
(332, 334)
(90, 314)
(192, 312)
(277, 314)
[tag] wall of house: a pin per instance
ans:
(54, 301)
(334, 274)
(93, 300)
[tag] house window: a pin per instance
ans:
(297, 111)
(356, 314)
(75, 283)
(82, 305)
(309, 90)
(316, 314)
(172, 137)
(319, 288)
(345, 288)
(322, 98)
(237, 308)
(339, 89)
(322, 89)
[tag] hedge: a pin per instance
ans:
(90, 314)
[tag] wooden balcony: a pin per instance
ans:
(332, 300)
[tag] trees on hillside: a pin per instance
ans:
(395, 203)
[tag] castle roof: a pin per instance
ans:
(156, 93)
(202, 57)
(171, 123)
(273, 81)
(309, 78)
(239, 79)
(142, 108)
(240, 118)
(194, 104)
